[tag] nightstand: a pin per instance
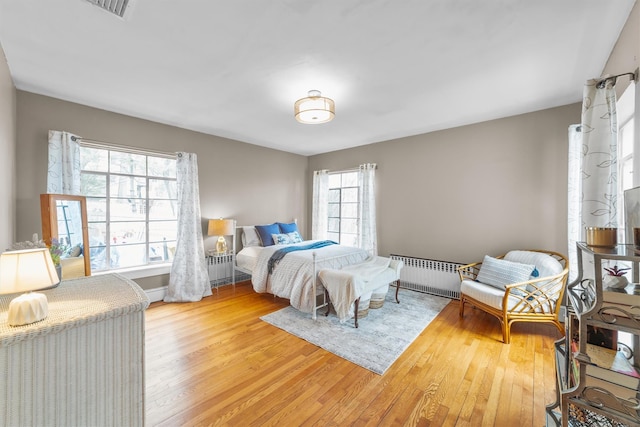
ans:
(221, 268)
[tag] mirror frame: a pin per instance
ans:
(49, 214)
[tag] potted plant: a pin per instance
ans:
(615, 277)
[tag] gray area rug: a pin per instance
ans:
(381, 337)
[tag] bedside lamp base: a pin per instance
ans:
(28, 308)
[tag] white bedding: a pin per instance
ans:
(292, 277)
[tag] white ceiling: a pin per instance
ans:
(234, 68)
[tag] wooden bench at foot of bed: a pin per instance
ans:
(346, 286)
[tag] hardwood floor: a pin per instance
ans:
(215, 362)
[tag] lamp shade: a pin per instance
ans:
(221, 227)
(314, 109)
(27, 270)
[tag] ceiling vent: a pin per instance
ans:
(116, 7)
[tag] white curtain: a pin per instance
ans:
(63, 175)
(189, 278)
(593, 170)
(320, 213)
(367, 235)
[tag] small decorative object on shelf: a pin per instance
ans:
(616, 277)
(602, 237)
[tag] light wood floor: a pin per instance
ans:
(215, 362)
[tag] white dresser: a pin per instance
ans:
(81, 366)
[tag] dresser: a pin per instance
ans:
(82, 365)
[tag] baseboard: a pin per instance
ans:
(156, 294)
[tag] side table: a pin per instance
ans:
(221, 267)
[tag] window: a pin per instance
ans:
(344, 203)
(131, 206)
(626, 148)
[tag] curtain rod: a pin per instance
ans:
(90, 142)
(601, 82)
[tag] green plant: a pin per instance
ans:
(615, 271)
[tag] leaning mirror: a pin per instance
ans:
(64, 222)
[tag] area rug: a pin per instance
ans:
(380, 338)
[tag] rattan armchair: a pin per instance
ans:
(535, 300)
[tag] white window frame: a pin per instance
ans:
(340, 218)
(148, 267)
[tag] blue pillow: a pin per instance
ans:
(287, 228)
(265, 232)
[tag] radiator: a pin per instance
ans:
(430, 276)
(219, 267)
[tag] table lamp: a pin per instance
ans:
(25, 271)
(221, 227)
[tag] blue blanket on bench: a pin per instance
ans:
(280, 253)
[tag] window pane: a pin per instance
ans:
(334, 210)
(127, 163)
(127, 186)
(94, 159)
(334, 236)
(350, 179)
(627, 174)
(334, 196)
(349, 240)
(162, 251)
(334, 180)
(626, 139)
(349, 226)
(96, 210)
(162, 167)
(349, 210)
(162, 209)
(127, 232)
(128, 256)
(349, 195)
(127, 210)
(163, 189)
(160, 231)
(92, 184)
(333, 225)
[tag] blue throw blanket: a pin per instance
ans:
(280, 253)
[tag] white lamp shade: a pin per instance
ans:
(314, 109)
(27, 270)
(221, 227)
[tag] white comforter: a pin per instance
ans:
(292, 277)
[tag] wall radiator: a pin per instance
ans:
(220, 271)
(430, 276)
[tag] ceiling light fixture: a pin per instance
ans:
(314, 109)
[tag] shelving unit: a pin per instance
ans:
(601, 340)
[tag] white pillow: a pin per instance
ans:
(250, 237)
(545, 263)
(499, 272)
(295, 237)
(281, 239)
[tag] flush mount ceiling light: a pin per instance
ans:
(314, 108)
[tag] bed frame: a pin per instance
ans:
(316, 283)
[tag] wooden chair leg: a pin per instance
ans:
(397, 289)
(461, 306)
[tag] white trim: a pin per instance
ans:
(140, 272)
(156, 294)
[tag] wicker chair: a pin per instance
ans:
(535, 300)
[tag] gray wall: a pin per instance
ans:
(7, 155)
(481, 189)
(251, 184)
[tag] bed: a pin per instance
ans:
(295, 275)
